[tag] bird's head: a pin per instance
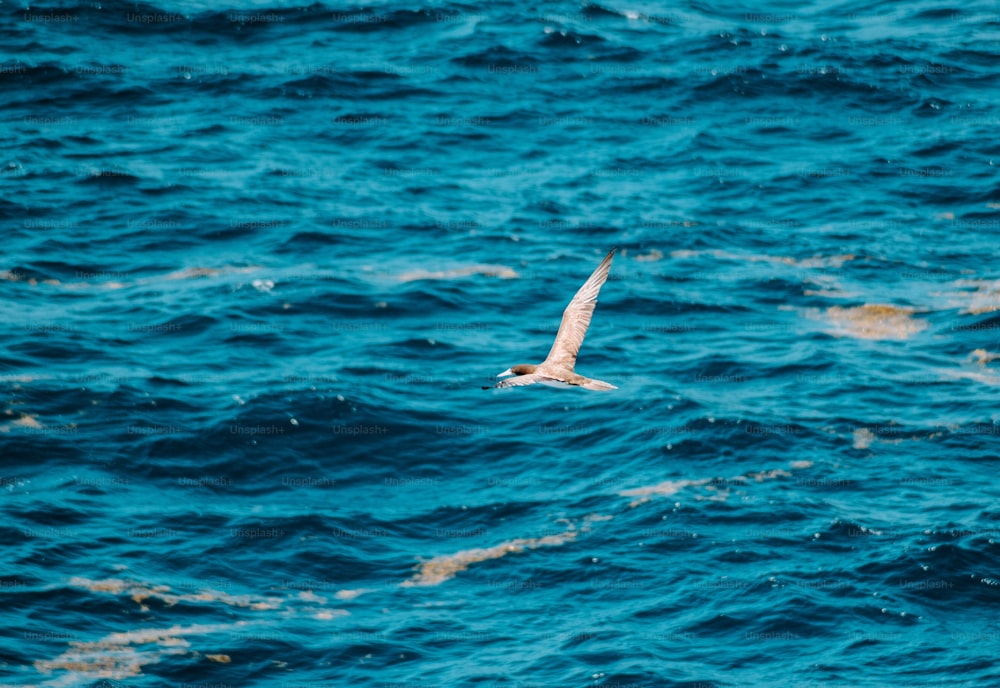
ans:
(522, 369)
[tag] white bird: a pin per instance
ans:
(557, 369)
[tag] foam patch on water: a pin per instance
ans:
(985, 299)
(812, 262)
(183, 274)
(976, 367)
(874, 321)
(983, 356)
(501, 271)
(18, 277)
(987, 378)
(709, 485)
(664, 489)
(863, 438)
(22, 421)
(140, 592)
(445, 567)
(652, 255)
(122, 655)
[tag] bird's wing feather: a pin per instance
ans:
(598, 385)
(576, 317)
(520, 380)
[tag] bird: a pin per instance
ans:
(557, 368)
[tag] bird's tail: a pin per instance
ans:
(598, 385)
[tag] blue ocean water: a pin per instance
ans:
(259, 260)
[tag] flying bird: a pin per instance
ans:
(557, 368)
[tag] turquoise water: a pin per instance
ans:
(260, 260)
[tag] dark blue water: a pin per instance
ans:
(258, 261)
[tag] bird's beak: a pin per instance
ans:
(506, 373)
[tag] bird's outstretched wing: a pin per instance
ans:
(576, 317)
(518, 381)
